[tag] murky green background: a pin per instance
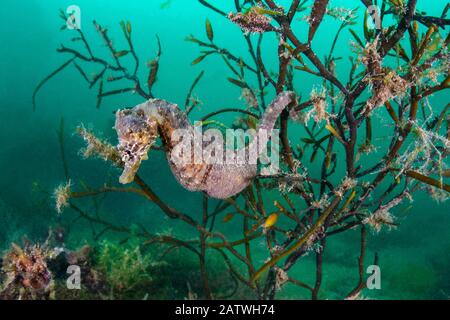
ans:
(415, 259)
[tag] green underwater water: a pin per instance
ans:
(414, 259)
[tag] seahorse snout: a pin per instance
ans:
(136, 134)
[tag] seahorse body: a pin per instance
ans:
(138, 129)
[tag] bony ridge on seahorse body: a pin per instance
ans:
(139, 127)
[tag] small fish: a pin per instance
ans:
(228, 217)
(271, 220)
(267, 223)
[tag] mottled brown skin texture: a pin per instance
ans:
(138, 129)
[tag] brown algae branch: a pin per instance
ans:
(317, 14)
(226, 110)
(103, 190)
(187, 105)
(388, 44)
(103, 150)
(203, 238)
(108, 225)
(174, 241)
(427, 180)
(245, 240)
(47, 78)
(213, 8)
(361, 283)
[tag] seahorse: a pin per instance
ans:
(138, 129)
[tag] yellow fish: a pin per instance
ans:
(271, 220)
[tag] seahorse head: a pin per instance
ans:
(136, 132)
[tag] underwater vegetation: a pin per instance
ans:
(292, 215)
(26, 272)
(38, 272)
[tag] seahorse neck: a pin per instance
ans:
(163, 112)
(168, 116)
